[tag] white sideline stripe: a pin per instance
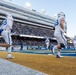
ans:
(10, 68)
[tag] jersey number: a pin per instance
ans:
(56, 22)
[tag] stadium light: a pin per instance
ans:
(28, 5)
(43, 11)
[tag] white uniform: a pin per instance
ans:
(47, 43)
(5, 30)
(59, 33)
(74, 42)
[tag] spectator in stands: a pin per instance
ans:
(59, 32)
(5, 31)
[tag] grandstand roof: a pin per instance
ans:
(25, 15)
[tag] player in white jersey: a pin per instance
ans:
(74, 42)
(5, 31)
(59, 33)
(47, 42)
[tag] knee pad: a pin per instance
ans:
(62, 45)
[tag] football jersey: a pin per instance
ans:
(57, 25)
(7, 24)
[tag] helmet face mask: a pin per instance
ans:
(9, 16)
(61, 14)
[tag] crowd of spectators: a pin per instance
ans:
(29, 42)
(26, 29)
(31, 30)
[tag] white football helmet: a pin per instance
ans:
(9, 16)
(61, 14)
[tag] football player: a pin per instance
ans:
(5, 31)
(59, 33)
(47, 42)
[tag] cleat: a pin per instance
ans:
(10, 56)
(59, 56)
(49, 54)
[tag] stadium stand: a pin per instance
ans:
(31, 30)
(30, 27)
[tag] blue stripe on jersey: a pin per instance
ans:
(56, 22)
(4, 22)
